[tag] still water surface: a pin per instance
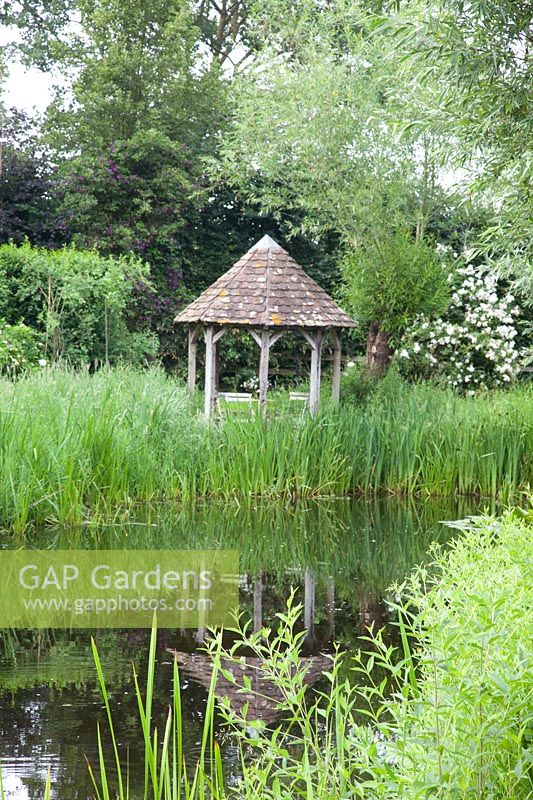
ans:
(340, 556)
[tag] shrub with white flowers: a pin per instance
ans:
(252, 384)
(19, 348)
(472, 345)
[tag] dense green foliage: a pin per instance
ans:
(76, 300)
(75, 446)
(369, 164)
(117, 162)
(130, 145)
(312, 133)
(29, 189)
(393, 280)
(479, 56)
(450, 718)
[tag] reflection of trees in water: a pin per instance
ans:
(371, 542)
(43, 727)
(362, 610)
(49, 710)
(60, 658)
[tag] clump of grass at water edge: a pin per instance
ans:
(75, 446)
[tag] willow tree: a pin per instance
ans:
(315, 131)
(478, 54)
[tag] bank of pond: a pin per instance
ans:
(78, 448)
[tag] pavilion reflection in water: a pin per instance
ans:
(251, 684)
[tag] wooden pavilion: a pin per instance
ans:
(267, 293)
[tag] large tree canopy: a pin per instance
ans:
(29, 187)
(478, 54)
(315, 130)
(184, 128)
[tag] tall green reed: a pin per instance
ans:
(75, 447)
(166, 776)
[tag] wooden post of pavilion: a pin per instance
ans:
(211, 337)
(216, 369)
(209, 389)
(191, 364)
(336, 376)
(266, 340)
(263, 369)
(315, 340)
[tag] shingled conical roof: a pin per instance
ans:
(266, 287)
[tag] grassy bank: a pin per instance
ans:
(74, 446)
(451, 719)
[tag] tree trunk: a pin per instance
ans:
(378, 352)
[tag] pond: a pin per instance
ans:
(340, 556)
